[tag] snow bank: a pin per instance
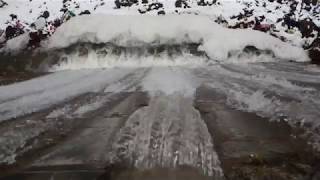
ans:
(215, 40)
(16, 44)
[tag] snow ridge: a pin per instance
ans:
(217, 42)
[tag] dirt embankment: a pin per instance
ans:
(20, 67)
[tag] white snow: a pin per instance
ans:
(40, 23)
(215, 40)
(17, 44)
(29, 11)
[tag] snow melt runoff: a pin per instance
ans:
(217, 42)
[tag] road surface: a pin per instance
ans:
(233, 121)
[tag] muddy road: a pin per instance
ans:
(235, 121)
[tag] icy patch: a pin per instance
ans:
(215, 40)
(60, 112)
(95, 60)
(129, 84)
(265, 80)
(255, 102)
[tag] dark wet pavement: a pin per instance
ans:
(126, 131)
(250, 146)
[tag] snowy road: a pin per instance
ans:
(75, 123)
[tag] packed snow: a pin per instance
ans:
(31, 97)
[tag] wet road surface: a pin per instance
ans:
(223, 121)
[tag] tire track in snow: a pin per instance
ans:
(128, 83)
(90, 143)
(15, 134)
(169, 132)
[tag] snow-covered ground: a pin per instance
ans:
(29, 11)
(104, 63)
